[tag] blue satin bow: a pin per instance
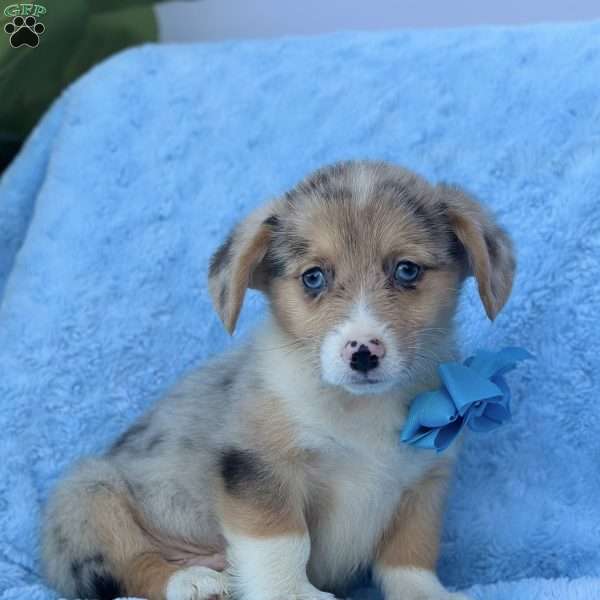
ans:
(473, 393)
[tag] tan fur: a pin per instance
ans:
(279, 508)
(249, 243)
(281, 516)
(390, 235)
(116, 527)
(493, 270)
(413, 537)
(270, 449)
(276, 436)
(148, 575)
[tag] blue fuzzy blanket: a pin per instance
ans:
(108, 217)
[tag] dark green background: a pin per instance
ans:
(79, 33)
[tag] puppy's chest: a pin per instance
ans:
(359, 491)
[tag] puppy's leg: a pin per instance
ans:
(150, 576)
(89, 532)
(407, 554)
(262, 516)
(95, 546)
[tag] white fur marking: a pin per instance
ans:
(364, 466)
(360, 323)
(271, 568)
(363, 184)
(196, 583)
(410, 583)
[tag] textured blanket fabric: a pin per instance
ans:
(108, 217)
(585, 588)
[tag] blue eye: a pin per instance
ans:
(314, 279)
(406, 272)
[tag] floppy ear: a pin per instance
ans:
(487, 249)
(238, 264)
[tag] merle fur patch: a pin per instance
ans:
(221, 257)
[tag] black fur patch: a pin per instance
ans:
(317, 184)
(275, 265)
(320, 181)
(221, 257)
(238, 466)
(296, 247)
(329, 184)
(433, 222)
(272, 222)
(391, 189)
(155, 442)
(242, 471)
(492, 246)
(106, 587)
(223, 296)
(129, 438)
(286, 246)
(79, 567)
(432, 219)
(227, 381)
(94, 580)
(455, 248)
(248, 477)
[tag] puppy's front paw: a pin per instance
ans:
(196, 583)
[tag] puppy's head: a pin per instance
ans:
(362, 264)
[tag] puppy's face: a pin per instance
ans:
(362, 263)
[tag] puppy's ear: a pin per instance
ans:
(486, 249)
(239, 264)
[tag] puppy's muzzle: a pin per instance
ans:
(363, 355)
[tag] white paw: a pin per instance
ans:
(196, 583)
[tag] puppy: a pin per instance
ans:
(276, 472)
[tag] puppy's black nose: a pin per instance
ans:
(363, 359)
